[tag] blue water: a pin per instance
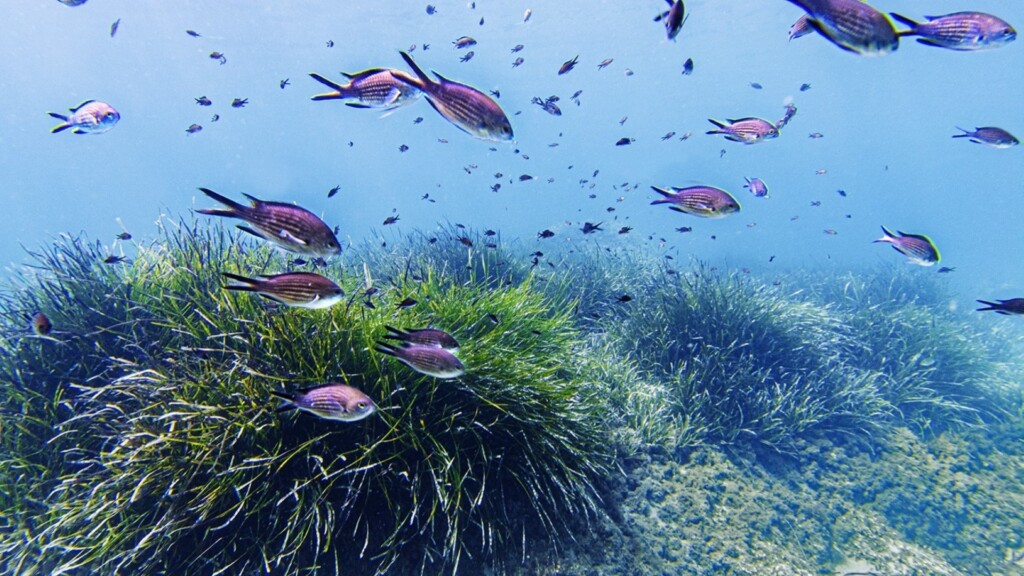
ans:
(886, 122)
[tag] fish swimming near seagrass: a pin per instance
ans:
(297, 289)
(918, 248)
(429, 360)
(330, 401)
(703, 201)
(424, 337)
(287, 226)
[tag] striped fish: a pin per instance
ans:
(989, 136)
(89, 117)
(429, 360)
(287, 226)
(703, 201)
(424, 337)
(467, 108)
(960, 31)
(852, 25)
(373, 88)
(330, 401)
(918, 248)
(745, 130)
(298, 289)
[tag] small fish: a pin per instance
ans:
(805, 87)
(757, 187)
(89, 117)
(527, 14)
(466, 241)
(604, 63)
(287, 226)
(213, 118)
(192, 33)
(831, 232)
(219, 57)
(548, 106)
(745, 130)
(525, 177)
(464, 42)
(431, 10)
(688, 67)
(517, 48)
(815, 135)
(72, 2)
(545, 234)
(841, 193)
(391, 220)
(989, 136)
(113, 259)
(424, 337)
(469, 56)
(193, 129)
(239, 102)
(296, 289)
(568, 65)
(589, 228)
(964, 31)
(333, 191)
(946, 270)
(627, 72)
(1013, 306)
(204, 101)
(406, 303)
(624, 141)
(374, 88)
(624, 229)
(429, 360)
(674, 18)
(41, 324)
(284, 83)
(703, 201)
(517, 62)
(330, 43)
(114, 26)
(668, 136)
(330, 401)
(124, 236)
(624, 298)
(756, 85)
(801, 27)
(852, 25)
(467, 108)
(684, 229)
(403, 148)
(919, 249)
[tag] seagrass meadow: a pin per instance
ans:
(713, 422)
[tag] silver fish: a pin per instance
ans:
(966, 31)
(467, 108)
(703, 201)
(989, 136)
(89, 117)
(373, 88)
(298, 289)
(745, 130)
(918, 248)
(289, 227)
(852, 25)
(330, 401)
(429, 360)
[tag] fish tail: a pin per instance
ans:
(424, 80)
(62, 126)
(248, 284)
(888, 235)
(989, 306)
(339, 93)
(287, 400)
(395, 333)
(234, 209)
(667, 196)
(720, 127)
(385, 348)
(906, 22)
(966, 133)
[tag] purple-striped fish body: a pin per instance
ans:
(674, 18)
(965, 31)
(989, 136)
(298, 289)
(745, 130)
(918, 248)
(852, 25)
(374, 88)
(424, 337)
(89, 117)
(330, 401)
(703, 201)
(429, 360)
(467, 108)
(287, 226)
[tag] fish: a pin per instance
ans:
(193, 33)
(852, 25)
(114, 27)
(568, 65)
(219, 57)
(964, 31)
(72, 2)
(805, 87)
(544, 234)
(390, 220)
(424, 337)
(431, 9)
(624, 141)
(989, 136)
(548, 106)
(1013, 306)
(745, 130)
(688, 67)
(192, 129)
(757, 187)
(407, 303)
(527, 14)
(429, 360)
(517, 62)
(89, 117)
(287, 226)
(674, 18)
(329, 401)
(467, 108)
(239, 102)
(284, 83)
(464, 42)
(703, 201)
(604, 63)
(203, 101)
(590, 228)
(801, 27)
(374, 88)
(469, 56)
(296, 289)
(756, 85)
(517, 48)
(918, 248)
(41, 324)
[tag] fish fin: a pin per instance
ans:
(662, 16)
(58, 116)
(76, 108)
(287, 400)
(905, 21)
(385, 348)
(357, 104)
(339, 90)
(272, 298)
(244, 228)
(60, 128)
(424, 80)
(667, 195)
(248, 284)
(930, 42)
(255, 201)
(888, 236)
(233, 208)
(286, 235)
(395, 332)
(966, 133)
(989, 306)
(717, 123)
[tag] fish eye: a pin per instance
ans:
(361, 406)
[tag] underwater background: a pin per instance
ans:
(766, 393)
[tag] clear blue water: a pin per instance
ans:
(886, 123)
